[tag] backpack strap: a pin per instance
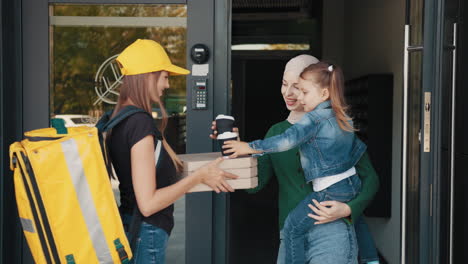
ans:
(106, 123)
(134, 228)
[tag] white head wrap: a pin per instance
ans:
(296, 65)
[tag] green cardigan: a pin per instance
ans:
(286, 166)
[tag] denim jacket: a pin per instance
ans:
(325, 148)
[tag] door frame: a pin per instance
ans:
(430, 206)
(10, 127)
(207, 212)
(431, 187)
(444, 38)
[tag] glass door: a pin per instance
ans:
(411, 131)
(84, 41)
(433, 198)
(454, 151)
(69, 71)
(459, 213)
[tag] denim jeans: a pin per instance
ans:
(367, 249)
(330, 243)
(298, 224)
(151, 244)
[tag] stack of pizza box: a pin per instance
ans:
(244, 167)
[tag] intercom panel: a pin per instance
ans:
(200, 95)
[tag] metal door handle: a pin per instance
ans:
(452, 139)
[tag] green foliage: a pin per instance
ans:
(77, 52)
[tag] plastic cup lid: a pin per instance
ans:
(224, 117)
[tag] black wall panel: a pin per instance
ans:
(371, 101)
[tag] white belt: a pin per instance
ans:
(324, 182)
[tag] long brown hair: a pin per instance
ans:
(331, 76)
(135, 88)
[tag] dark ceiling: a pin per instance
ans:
(276, 21)
(275, 9)
(268, 4)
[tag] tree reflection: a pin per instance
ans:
(78, 51)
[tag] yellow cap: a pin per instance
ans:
(145, 55)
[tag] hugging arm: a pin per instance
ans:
(329, 211)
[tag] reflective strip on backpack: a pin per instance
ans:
(27, 225)
(75, 167)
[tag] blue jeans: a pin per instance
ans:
(151, 244)
(367, 249)
(298, 224)
(329, 243)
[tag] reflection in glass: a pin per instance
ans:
(77, 51)
(414, 127)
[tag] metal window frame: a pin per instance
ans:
(222, 82)
(90, 21)
(431, 192)
(119, 1)
(206, 222)
(10, 127)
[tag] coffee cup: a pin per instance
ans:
(224, 123)
(226, 136)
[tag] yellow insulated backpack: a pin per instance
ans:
(65, 200)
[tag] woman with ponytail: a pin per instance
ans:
(147, 187)
(329, 151)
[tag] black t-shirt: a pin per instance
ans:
(123, 136)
